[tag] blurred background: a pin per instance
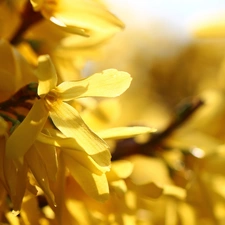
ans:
(174, 50)
(180, 14)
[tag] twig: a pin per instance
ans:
(29, 18)
(129, 146)
(27, 92)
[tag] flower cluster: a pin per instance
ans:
(44, 141)
(77, 145)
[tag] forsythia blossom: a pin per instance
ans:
(66, 153)
(87, 18)
(110, 83)
(52, 102)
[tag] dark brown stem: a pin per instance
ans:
(27, 92)
(129, 146)
(29, 18)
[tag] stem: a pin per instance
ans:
(129, 146)
(27, 92)
(29, 17)
(10, 119)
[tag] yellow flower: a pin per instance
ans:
(110, 83)
(86, 18)
(91, 159)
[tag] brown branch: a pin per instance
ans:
(29, 17)
(129, 146)
(27, 92)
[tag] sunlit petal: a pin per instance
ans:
(3, 126)
(119, 187)
(39, 171)
(109, 83)
(15, 176)
(86, 161)
(46, 75)
(94, 185)
(37, 4)
(121, 169)
(62, 142)
(30, 204)
(69, 122)
(25, 134)
(49, 158)
(87, 18)
(141, 176)
(212, 27)
(175, 191)
(124, 132)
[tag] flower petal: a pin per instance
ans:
(69, 122)
(87, 18)
(124, 132)
(69, 144)
(49, 158)
(15, 177)
(25, 134)
(46, 74)
(61, 142)
(141, 176)
(121, 169)
(30, 209)
(3, 126)
(86, 161)
(119, 187)
(210, 28)
(39, 171)
(109, 83)
(37, 4)
(94, 185)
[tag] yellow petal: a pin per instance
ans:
(211, 27)
(109, 83)
(25, 134)
(157, 171)
(37, 4)
(175, 191)
(49, 158)
(69, 122)
(46, 75)
(66, 144)
(58, 188)
(119, 187)
(124, 132)
(30, 209)
(16, 179)
(2, 159)
(68, 28)
(86, 161)
(12, 219)
(121, 169)
(151, 189)
(39, 171)
(88, 18)
(3, 126)
(61, 142)
(94, 185)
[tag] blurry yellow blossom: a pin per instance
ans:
(87, 18)
(53, 166)
(212, 27)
